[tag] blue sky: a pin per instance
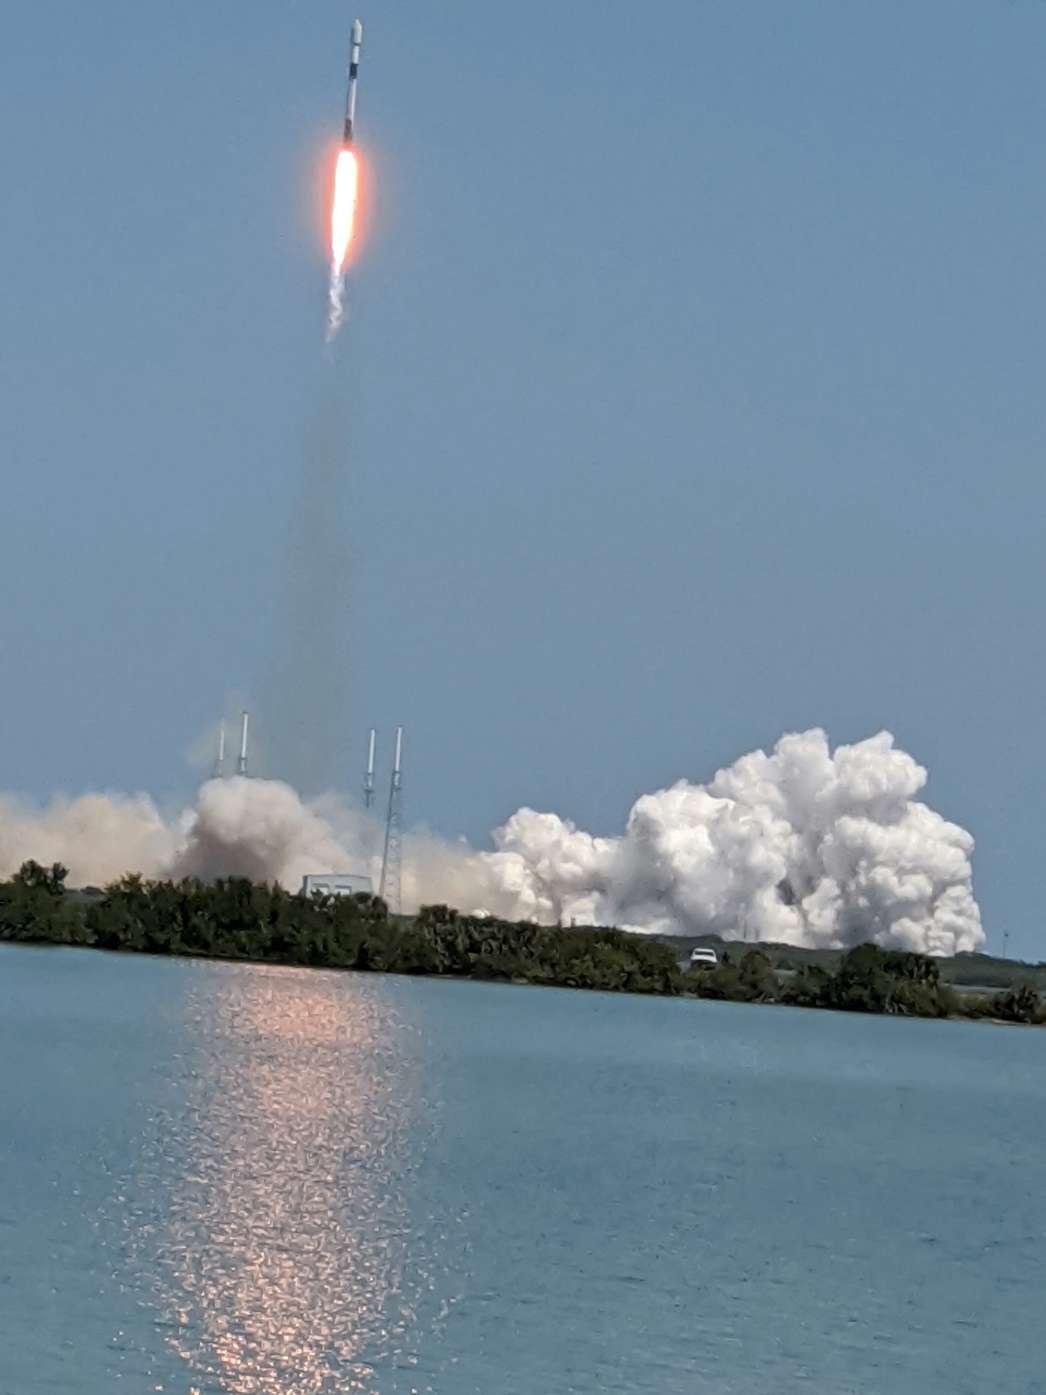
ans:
(695, 361)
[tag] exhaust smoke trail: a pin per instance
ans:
(303, 721)
(805, 846)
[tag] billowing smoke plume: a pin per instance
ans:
(261, 829)
(803, 846)
(98, 837)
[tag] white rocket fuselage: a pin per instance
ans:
(354, 68)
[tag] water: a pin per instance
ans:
(281, 1182)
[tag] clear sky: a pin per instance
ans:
(697, 357)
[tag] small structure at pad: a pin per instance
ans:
(336, 884)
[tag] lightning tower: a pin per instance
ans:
(392, 858)
(368, 778)
(241, 764)
(219, 764)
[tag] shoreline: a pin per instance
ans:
(235, 920)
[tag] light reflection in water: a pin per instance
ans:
(290, 1254)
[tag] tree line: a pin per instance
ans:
(868, 979)
(236, 919)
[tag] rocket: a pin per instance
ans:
(354, 68)
(344, 192)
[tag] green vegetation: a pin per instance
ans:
(979, 974)
(864, 979)
(874, 980)
(1020, 1004)
(236, 919)
(750, 979)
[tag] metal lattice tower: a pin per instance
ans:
(392, 857)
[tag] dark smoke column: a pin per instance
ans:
(303, 726)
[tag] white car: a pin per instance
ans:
(703, 957)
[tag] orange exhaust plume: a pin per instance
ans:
(343, 211)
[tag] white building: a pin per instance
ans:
(336, 884)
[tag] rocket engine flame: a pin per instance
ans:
(343, 218)
(343, 211)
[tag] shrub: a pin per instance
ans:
(1018, 1004)
(751, 980)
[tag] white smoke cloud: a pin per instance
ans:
(803, 846)
(259, 829)
(98, 837)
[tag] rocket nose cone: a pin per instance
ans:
(357, 32)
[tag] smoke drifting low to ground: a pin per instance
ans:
(803, 846)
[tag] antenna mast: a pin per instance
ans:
(392, 858)
(241, 764)
(219, 764)
(368, 779)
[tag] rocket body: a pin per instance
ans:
(344, 191)
(350, 96)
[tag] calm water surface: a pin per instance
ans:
(281, 1182)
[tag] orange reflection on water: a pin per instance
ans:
(291, 1219)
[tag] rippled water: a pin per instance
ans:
(254, 1180)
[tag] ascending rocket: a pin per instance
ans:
(354, 68)
(343, 200)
